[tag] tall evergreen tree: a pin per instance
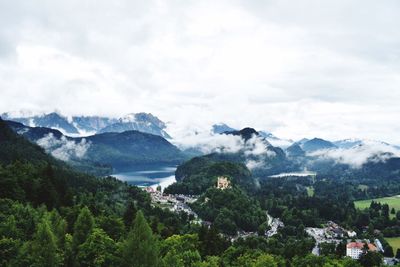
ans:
(58, 226)
(82, 227)
(98, 250)
(140, 248)
(129, 214)
(44, 250)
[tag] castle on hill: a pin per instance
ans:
(223, 183)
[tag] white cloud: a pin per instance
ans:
(254, 164)
(207, 142)
(360, 154)
(257, 146)
(63, 148)
(300, 69)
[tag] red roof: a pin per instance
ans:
(360, 245)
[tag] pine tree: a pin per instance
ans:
(58, 226)
(129, 214)
(82, 227)
(388, 252)
(140, 248)
(98, 250)
(44, 250)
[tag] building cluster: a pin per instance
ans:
(331, 233)
(275, 224)
(356, 249)
(175, 203)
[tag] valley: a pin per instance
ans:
(244, 195)
(224, 133)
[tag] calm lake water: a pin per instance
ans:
(150, 176)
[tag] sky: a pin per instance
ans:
(295, 68)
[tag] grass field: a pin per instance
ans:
(394, 242)
(393, 202)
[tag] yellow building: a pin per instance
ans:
(223, 183)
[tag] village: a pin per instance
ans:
(181, 203)
(331, 233)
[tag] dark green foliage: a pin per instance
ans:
(140, 248)
(98, 250)
(112, 150)
(43, 249)
(371, 259)
(112, 225)
(198, 174)
(83, 227)
(86, 221)
(388, 252)
(129, 148)
(14, 147)
(181, 250)
(129, 214)
(230, 210)
(8, 250)
(315, 261)
(211, 243)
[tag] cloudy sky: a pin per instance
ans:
(295, 68)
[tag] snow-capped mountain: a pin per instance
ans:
(86, 125)
(221, 128)
(143, 122)
(349, 143)
(316, 144)
(92, 124)
(51, 120)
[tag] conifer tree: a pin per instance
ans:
(98, 250)
(82, 227)
(44, 250)
(129, 214)
(140, 248)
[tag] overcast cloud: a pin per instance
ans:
(296, 68)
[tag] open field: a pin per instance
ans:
(393, 202)
(394, 242)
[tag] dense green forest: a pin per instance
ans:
(51, 215)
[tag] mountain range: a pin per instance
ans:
(104, 152)
(141, 139)
(84, 125)
(349, 157)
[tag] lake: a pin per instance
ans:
(149, 176)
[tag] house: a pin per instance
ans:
(223, 183)
(351, 234)
(356, 249)
(337, 232)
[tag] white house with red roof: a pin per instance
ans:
(356, 249)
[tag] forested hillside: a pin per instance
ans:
(51, 215)
(103, 153)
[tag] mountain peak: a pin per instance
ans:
(316, 144)
(220, 128)
(245, 133)
(143, 122)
